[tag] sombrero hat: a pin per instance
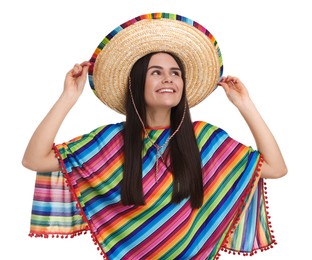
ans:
(114, 57)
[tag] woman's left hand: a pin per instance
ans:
(274, 165)
(235, 90)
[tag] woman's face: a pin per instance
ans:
(164, 83)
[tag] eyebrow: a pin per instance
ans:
(159, 67)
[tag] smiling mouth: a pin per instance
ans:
(166, 90)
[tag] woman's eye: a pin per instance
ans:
(156, 72)
(173, 73)
(176, 73)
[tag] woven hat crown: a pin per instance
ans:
(114, 57)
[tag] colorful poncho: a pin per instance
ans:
(85, 195)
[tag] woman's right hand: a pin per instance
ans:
(75, 79)
(38, 155)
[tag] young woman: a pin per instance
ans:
(157, 186)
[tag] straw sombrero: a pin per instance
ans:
(113, 59)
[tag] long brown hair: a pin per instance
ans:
(184, 154)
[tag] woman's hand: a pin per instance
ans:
(274, 165)
(38, 155)
(75, 79)
(235, 90)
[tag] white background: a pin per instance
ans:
(265, 43)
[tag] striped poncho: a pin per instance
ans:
(85, 195)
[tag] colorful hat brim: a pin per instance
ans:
(114, 57)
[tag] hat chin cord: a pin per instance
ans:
(158, 148)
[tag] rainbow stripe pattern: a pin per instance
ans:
(87, 197)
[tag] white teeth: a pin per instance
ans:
(165, 90)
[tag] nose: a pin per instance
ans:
(167, 79)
